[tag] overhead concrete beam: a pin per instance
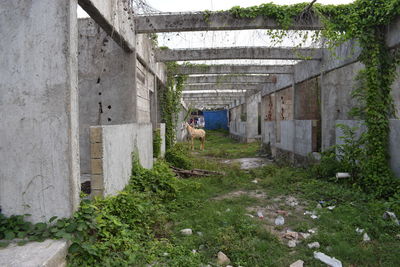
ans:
(217, 94)
(222, 86)
(231, 79)
(115, 18)
(235, 69)
(214, 21)
(283, 53)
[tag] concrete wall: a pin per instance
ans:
(112, 148)
(39, 150)
(107, 93)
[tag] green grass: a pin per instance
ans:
(167, 205)
(218, 145)
(245, 240)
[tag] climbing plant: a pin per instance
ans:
(170, 102)
(365, 21)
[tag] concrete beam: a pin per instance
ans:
(115, 18)
(235, 69)
(213, 21)
(231, 79)
(216, 94)
(222, 86)
(284, 53)
(216, 98)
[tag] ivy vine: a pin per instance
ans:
(366, 21)
(170, 102)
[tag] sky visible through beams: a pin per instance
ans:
(210, 39)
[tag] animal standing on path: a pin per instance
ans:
(196, 133)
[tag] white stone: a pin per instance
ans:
(305, 235)
(330, 261)
(222, 259)
(298, 263)
(366, 238)
(313, 245)
(291, 244)
(187, 231)
(359, 230)
(279, 220)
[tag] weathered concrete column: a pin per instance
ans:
(252, 116)
(107, 85)
(39, 149)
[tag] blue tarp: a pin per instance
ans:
(216, 119)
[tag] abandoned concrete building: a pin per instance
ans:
(80, 96)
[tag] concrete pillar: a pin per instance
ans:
(252, 117)
(39, 149)
(107, 87)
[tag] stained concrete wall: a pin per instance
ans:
(252, 117)
(107, 93)
(112, 167)
(39, 149)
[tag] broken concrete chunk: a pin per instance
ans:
(330, 261)
(305, 235)
(298, 263)
(279, 220)
(313, 245)
(291, 244)
(291, 235)
(187, 231)
(222, 259)
(260, 214)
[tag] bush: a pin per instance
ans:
(178, 156)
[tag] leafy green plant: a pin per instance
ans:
(156, 143)
(177, 156)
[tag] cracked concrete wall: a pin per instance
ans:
(39, 150)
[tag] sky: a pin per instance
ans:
(200, 5)
(180, 40)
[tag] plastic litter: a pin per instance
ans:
(330, 261)
(279, 220)
(341, 175)
(331, 207)
(298, 263)
(187, 231)
(391, 215)
(260, 214)
(366, 238)
(255, 181)
(359, 230)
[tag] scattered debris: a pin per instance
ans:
(331, 207)
(228, 210)
(366, 238)
(311, 231)
(314, 217)
(255, 181)
(391, 215)
(282, 212)
(313, 245)
(342, 175)
(291, 235)
(222, 259)
(332, 262)
(200, 233)
(165, 254)
(359, 230)
(319, 206)
(291, 201)
(279, 220)
(312, 214)
(260, 214)
(398, 236)
(305, 235)
(251, 216)
(187, 231)
(194, 251)
(195, 172)
(291, 243)
(298, 263)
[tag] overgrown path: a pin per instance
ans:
(272, 215)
